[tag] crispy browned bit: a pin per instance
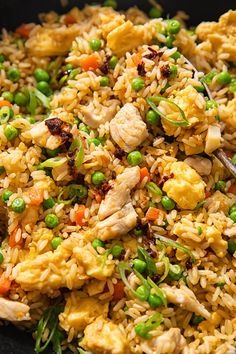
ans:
(165, 178)
(119, 153)
(113, 175)
(188, 264)
(105, 187)
(105, 66)
(153, 54)
(165, 70)
(63, 73)
(57, 126)
(141, 70)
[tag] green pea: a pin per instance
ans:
(167, 203)
(116, 250)
(74, 73)
(84, 128)
(234, 159)
(233, 216)
(18, 205)
(1, 258)
(6, 195)
(139, 265)
(173, 71)
(97, 243)
(169, 41)
(2, 58)
(110, 3)
(7, 95)
(20, 99)
(142, 293)
(208, 77)
(44, 87)
(41, 75)
(232, 88)
(31, 120)
(113, 61)
(175, 272)
(11, 132)
(98, 178)
(195, 320)
(2, 66)
(138, 232)
(137, 84)
(153, 188)
(173, 26)
(223, 78)
(51, 221)
(200, 88)
(220, 186)
(5, 114)
(48, 203)
(94, 141)
(154, 12)
(176, 55)
(104, 81)
(211, 104)
(152, 117)
(140, 329)
(56, 241)
(53, 153)
(134, 158)
(232, 209)
(2, 170)
(231, 246)
(95, 44)
(199, 230)
(154, 300)
(13, 74)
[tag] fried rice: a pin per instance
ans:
(117, 221)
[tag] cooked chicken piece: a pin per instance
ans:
(119, 195)
(127, 128)
(220, 200)
(103, 336)
(41, 136)
(13, 311)
(220, 34)
(170, 342)
(96, 266)
(186, 299)
(125, 37)
(79, 312)
(213, 138)
(51, 270)
(45, 41)
(201, 165)
(185, 187)
(118, 224)
(93, 119)
(214, 238)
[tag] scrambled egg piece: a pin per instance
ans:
(95, 265)
(224, 202)
(110, 20)
(186, 188)
(103, 336)
(214, 238)
(79, 312)
(220, 34)
(125, 37)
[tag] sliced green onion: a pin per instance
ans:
(42, 98)
(142, 329)
(153, 188)
(151, 266)
(53, 162)
(166, 262)
(32, 101)
(5, 114)
(174, 244)
(79, 157)
(157, 99)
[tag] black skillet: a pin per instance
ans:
(15, 12)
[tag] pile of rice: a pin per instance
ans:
(96, 308)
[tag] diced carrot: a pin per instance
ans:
(5, 284)
(24, 30)
(98, 197)
(16, 233)
(232, 189)
(69, 19)
(79, 215)
(90, 63)
(119, 292)
(137, 58)
(154, 213)
(35, 196)
(144, 173)
(4, 103)
(208, 194)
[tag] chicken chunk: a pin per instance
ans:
(45, 41)
(213, 138)
(119, 195)
(41, 136)
(79, 312)
(103, 336)
(201, 165)
(127, 128)
(126, 37)
(13, 311)
(118, 224)
(186, 187)
(170, 342)
(216, 242)
(220, 34)
(93, 118)
(186, 299)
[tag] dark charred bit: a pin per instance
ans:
(169, 139)
(143, 227)
(63, 73)
(152, 253)
(119, 153)
(141, 69)
(165, 71)
(79, 178)
(155, 278)
(113, 175)
(71, 162)
(105, 187)
(153, 54)
(57, 127)
(122, 256)
(71, 153)
(188, 264)
(165, 178)
(105, 66)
